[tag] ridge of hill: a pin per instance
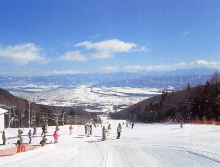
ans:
(198, 103)
(160, 79)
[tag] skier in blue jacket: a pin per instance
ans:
(30, 137)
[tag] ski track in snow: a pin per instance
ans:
(195, 157)
(147, 145)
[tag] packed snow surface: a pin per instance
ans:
(146, 145)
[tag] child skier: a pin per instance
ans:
(55, 136)
(104, 131)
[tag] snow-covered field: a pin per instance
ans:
(101, 99)
(147, 145)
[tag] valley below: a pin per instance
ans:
(92, 99)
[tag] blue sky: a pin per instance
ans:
(51, 37)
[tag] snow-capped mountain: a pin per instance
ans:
(177, 79)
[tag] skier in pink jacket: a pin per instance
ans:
(55, 136)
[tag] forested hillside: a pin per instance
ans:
(19, 110)
(199, 103)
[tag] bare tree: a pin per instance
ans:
(215, 78)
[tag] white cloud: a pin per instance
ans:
(148, 68)
(174, 66)
(157, 68)
(112, 46)
(22, 54)
(152, 68)
(180, 65)
(107, 47)
(144, 49)
(137, 67)
(185, 33)
(60, 72)
(94, 36)
(101, 55)
(73, 56)
(110, 68)
(203, 62)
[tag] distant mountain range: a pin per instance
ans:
(178, 79)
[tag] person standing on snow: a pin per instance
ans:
(30, 137)
(35, 130)
(3, 137)
(119, 125)
(70, 129)
(43, 130)
(55, 136)
(104, 131)
(109, 129)
(132, 125)
(86, 128)
(118, 132)
(90, 129)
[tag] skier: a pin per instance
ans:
(118, 132)
(119, 125)
(3, 137)
(104, 131)
(19, 132)
(86, 128)
(181, 123)
(18, 144)
(43, 130)
(109, 128)
(90, 129)
(70, 129)
(55, 136)
(30, 137)
(35, 130)
(132, 125)
(43, 141)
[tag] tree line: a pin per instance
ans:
(19, 110)
(198, 103)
